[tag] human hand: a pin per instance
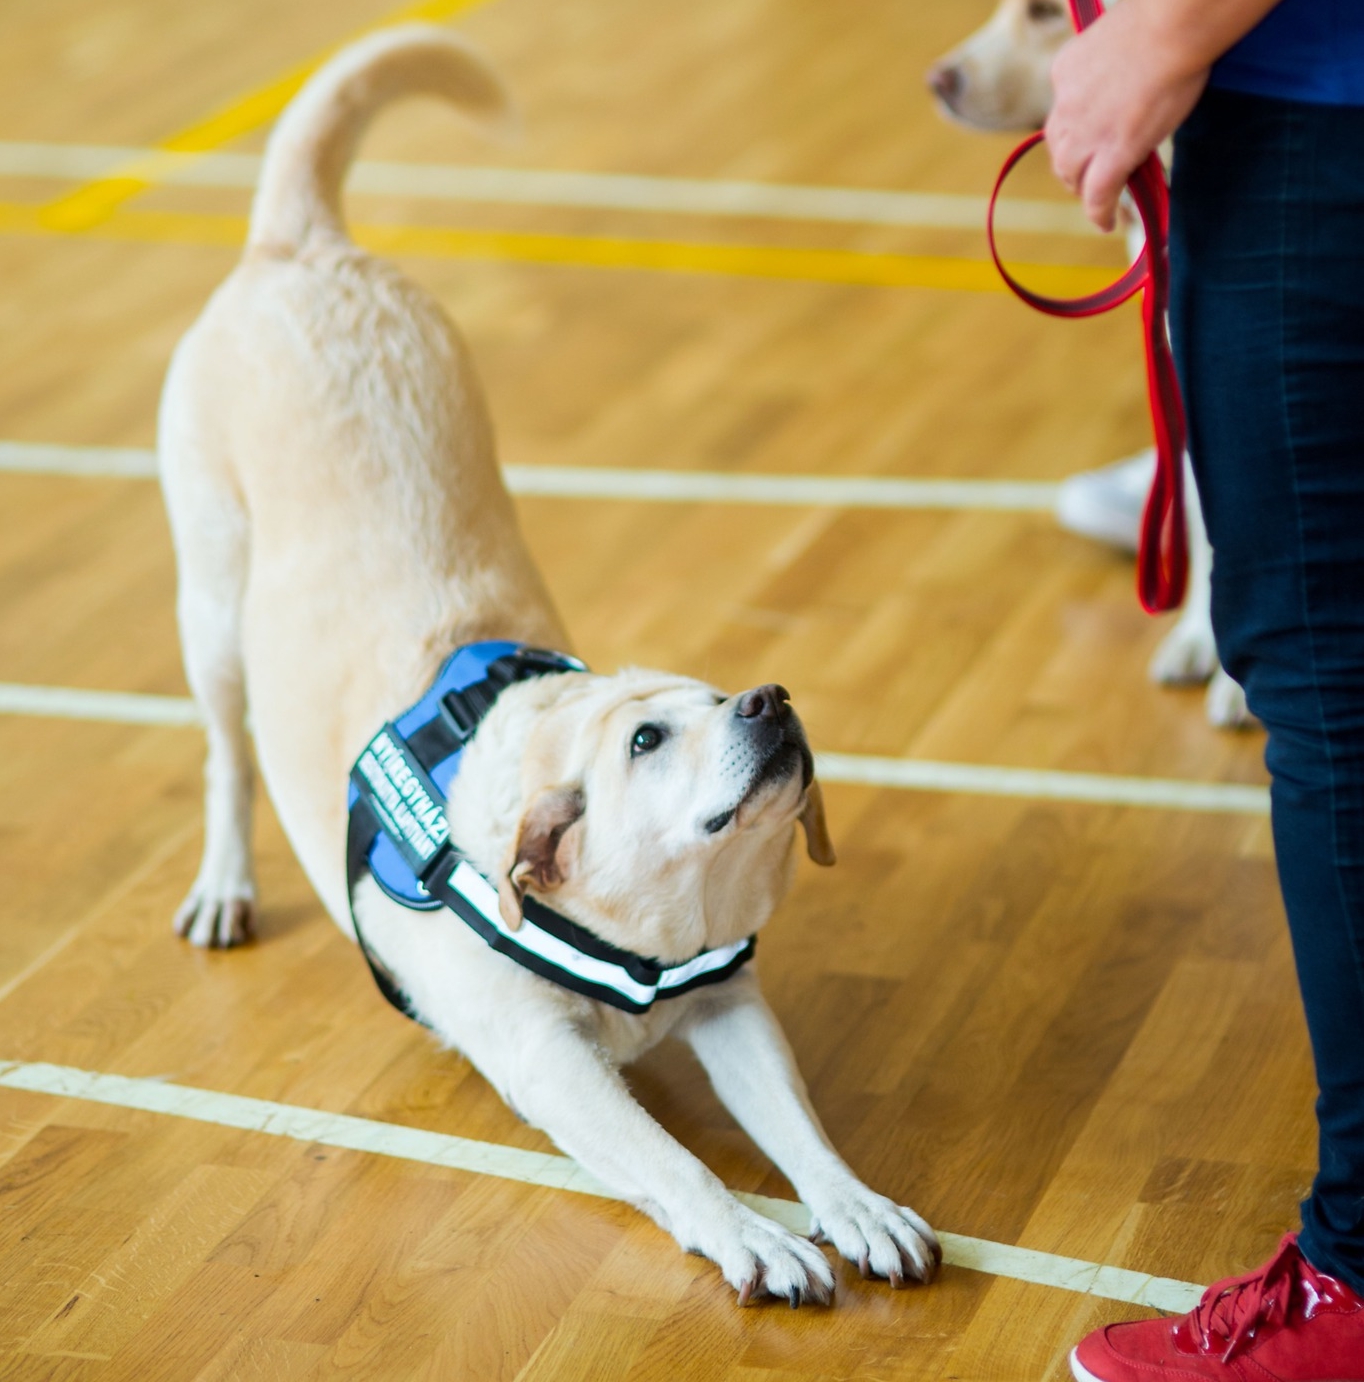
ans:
(1120, 88)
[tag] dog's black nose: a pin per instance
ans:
(944, 81)
(770, 702)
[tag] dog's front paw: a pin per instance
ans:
(1186, 655)
(765, 1259)
(217, 917)
(884, 1239)
(1226, 703)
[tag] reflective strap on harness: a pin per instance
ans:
(1163, 555)
(558, 949)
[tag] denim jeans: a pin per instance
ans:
(1267, 318)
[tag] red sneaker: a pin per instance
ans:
(1286, 1322)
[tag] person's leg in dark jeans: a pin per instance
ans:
(1267, 316)
(1267, 320)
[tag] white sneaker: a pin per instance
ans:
(1107, 504)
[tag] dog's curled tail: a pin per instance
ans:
(311, 147)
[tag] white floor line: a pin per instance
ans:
(538, 1168)
(822, 491)
(42, 458)
(597, 191)
(650, 486)
(112, 707)
(919, 775)
(906, 774)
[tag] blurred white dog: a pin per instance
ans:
(1000, 79)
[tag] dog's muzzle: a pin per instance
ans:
(777, 740)
(778, 732)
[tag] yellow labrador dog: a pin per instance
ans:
(341, 528)
(999, 78)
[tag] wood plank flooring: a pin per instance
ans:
(1069, 1027)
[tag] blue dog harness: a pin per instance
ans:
(400, 836)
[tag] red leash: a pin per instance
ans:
(1163, 557)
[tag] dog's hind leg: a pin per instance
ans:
(210, 528)
(218, 909)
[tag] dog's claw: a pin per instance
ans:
(753, 1286)
(896, 1279)
(864, 1267)
(241, 924)
(794, 1298)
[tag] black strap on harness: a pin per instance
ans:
(364, 826)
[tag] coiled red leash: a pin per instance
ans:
(1163, 556)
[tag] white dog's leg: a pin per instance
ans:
(1188, 653)
(218, 909)
(211, 535)
(1225, 704)
(751, 1066)
(569, 1087)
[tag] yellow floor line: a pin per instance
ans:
(97, 201)
(590, 251)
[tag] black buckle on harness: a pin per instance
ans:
(461, 712)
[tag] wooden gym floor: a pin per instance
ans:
(1049, 1020)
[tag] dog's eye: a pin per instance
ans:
(1040, 11)
(646, 739)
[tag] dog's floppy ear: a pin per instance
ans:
(537, 859)
(818, 844)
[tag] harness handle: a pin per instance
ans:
(1163, 554)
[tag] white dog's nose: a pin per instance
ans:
(944, 81)
(770, 702)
